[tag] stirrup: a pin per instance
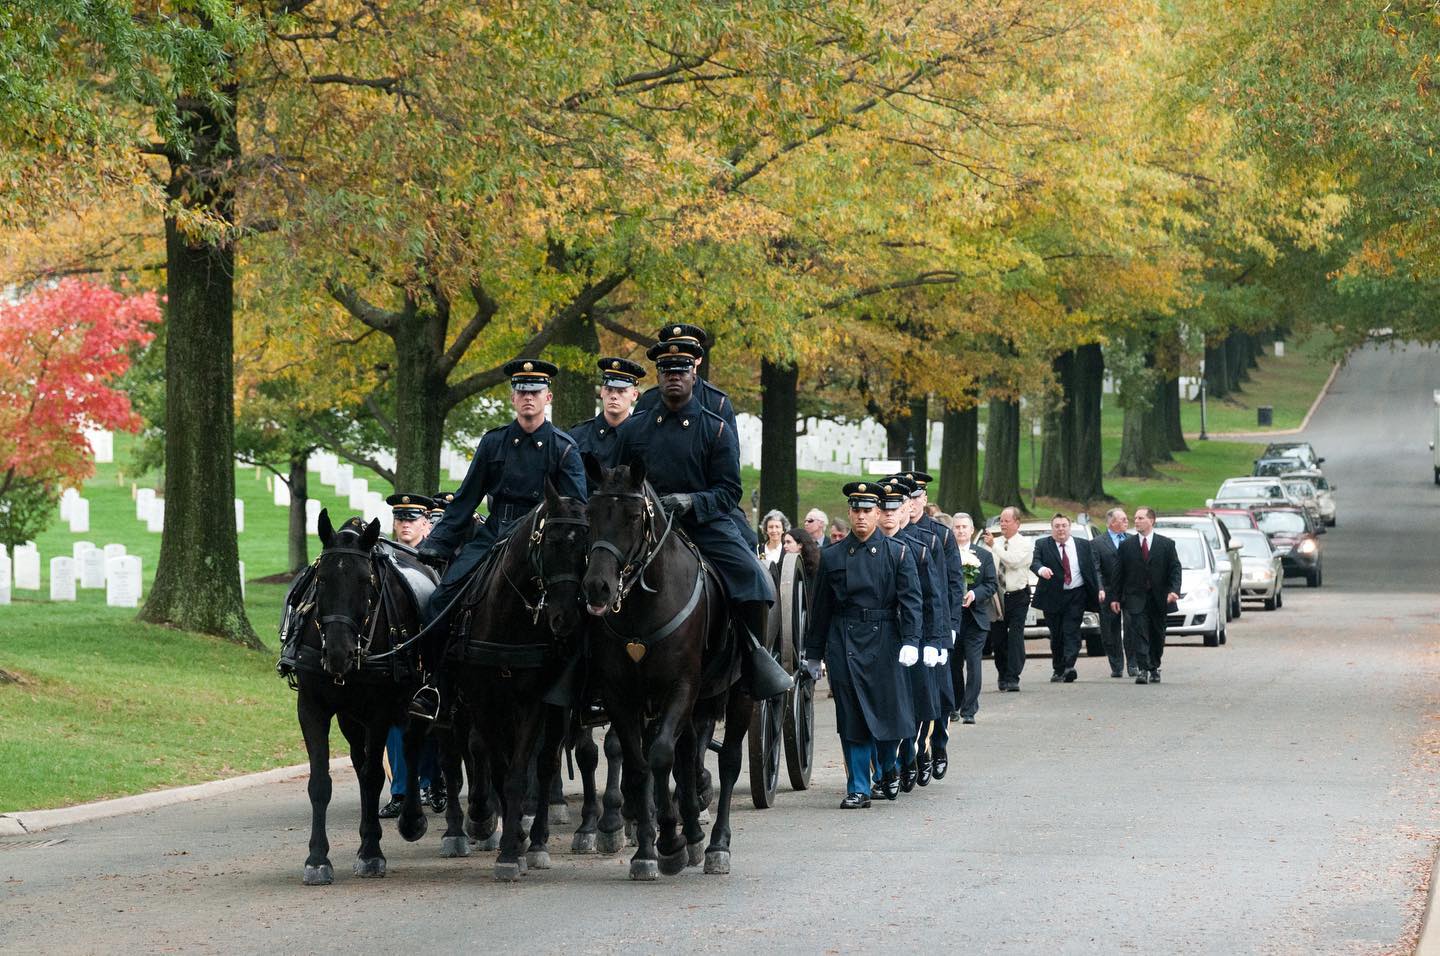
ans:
(425, 705)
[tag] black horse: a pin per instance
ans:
(343, 668)
(520, 627)
(663, 646)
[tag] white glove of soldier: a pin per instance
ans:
(931, 655)
(908, 656)
(944, 656)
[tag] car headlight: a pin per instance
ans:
(1307, 546)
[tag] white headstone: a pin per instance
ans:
(359, 488)
(67, 497)
(102, 445)
(122, 581)
(92, 569)
(155, 520)
(4, 579)
(80, 516)
(114, 551)
(344, 474)
(242, 579)
(282, 493)
(78, 549)
(459, 465)
(312, 516)
(376, 508)
(27, 568)
(62, 579)
(239, 515)
(328, 467)
(1279, 349)
(144, 498)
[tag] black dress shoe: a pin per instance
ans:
(1056, 677)
(968, 720)
(1131, 670)
(438, 802)
(955, 714)
(926, 769)
(424, 797)
(855, 801)
(907, 778)
(942, 760)
(1143, 678)
(1116, 674)
(890, 784)
(1014, 687)
(1070, 676)
(391, 810)
(1154, 677)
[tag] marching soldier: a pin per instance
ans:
(692, 459)
(512, 463)
(618, 393)
(709, 397)
(865, 626)
(952, 607)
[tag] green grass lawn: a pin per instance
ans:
(112, 706)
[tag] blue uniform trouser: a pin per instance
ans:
(859, 755)
(429, 761)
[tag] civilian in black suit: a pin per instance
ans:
(1068, 586)
(965, 669)
(1119, 644)
(1148, 587)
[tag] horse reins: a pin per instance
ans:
(645, 551)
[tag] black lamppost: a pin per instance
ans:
(1203, 436)
(909, 463)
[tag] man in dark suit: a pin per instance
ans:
(1119, 644)
(1068, 586)
(974, 619)
(1148, 587)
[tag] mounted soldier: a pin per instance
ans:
(619, 391)
(692, 459)
(866, 627)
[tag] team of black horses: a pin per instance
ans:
(584, 613)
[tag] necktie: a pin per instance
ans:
(1145, 548)
(1065, 562)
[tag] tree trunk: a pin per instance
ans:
(1087, 456)
(1174, 431)
(1138, 398)
(1001, 484)
(920, 432)
(897, 437)
(1237, 358)
(197, 580)
(1155, 431)
(299, 483)
(1056, 434)
(959, 461)
(779, 487)
(575, 396)
(1217, 375)
(419, 402)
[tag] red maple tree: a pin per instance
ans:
(61, 350)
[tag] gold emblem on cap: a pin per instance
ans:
(862, 486)
(404, 499)
(675, 331)
(674, 349)
(528, 366)
(614, 364)
(910, 476)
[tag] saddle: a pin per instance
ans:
(420, 580)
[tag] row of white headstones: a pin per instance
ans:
(87, 567)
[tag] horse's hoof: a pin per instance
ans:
(717, 862)
(508, 872)
(413, 829)
(611, 842)
(559, 813)
(322, 875)
(453, 846)
(583, 843)
(672, 864)
(538, 859)
(526, 821)
(373, 867)
(644, 870)
(695, 852)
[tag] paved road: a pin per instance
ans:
(1274, 795)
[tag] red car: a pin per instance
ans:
(1232, 518)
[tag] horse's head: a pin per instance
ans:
(622, 516)
(563, 540)
(344, 588)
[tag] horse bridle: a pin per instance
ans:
(539, 525)
(364, 630)
(634, 565)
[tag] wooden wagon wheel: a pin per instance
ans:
(799, 710)
(767, 721)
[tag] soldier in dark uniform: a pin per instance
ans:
(709, 397)
(439, 502)
(924, 683)
(618, 392)
(693, 460)
(865, 626)
(953, 574)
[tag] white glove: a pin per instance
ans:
(908, 656)
(931, 655)
(944, 656)
(952, 636)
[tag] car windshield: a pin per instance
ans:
(1302, 488)
(1253, 544)
(1250, 489)
(1320, 483)
(1191, 551)
(1207, 528)
(1285, 522)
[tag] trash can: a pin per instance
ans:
(1265, 416)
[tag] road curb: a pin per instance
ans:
(34, 821)
(1304, 422)
(1428, 942)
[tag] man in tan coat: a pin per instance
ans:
(1013, 555)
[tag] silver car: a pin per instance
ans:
(1324, 493)
(1264, 576)
(1203, 592)
(1304, 493)
(1227, 553)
